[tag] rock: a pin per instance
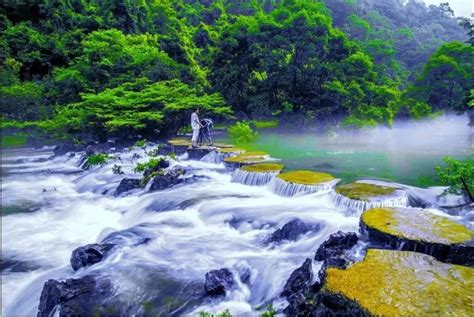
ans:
(89, 254)
(218, 282)
(299, 280)
(126, 185)
(161, 182)
(399, 283)
(417, 230)
(336, 245)
(292, 230)
(301, 182)
(362, 196)
(99, 148)
(75, 297)
(243, 159)
(199, 152)
(67, 147)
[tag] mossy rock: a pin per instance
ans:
(401, 283)
(306, 177)
(422, 231)
(230, 150)
(263, 168)
(180, 142)
(364, 191)
(248, 157)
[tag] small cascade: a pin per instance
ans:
(253, 178)
(397, 199)
(283, 188)
(217, 157)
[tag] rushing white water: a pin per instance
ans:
(167, 240)
(217, 157)
(252, 178)
(397, 198)
(283, 188)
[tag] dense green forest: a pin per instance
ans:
(83, 68)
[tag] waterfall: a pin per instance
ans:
(217, 157)
(397, 199)
(252, 178)
(283, 188)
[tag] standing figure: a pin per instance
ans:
(196, 125)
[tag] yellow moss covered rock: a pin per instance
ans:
(263, 168)
(401, 283)
(180, 142)
(416, 224)
(363, 191)
(230, 150)
(305, 177)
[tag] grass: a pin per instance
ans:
(363, 191)
(13, 141)
(306, 177)
(262, 168)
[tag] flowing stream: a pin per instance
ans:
(167, 240)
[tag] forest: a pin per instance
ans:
(86, 69)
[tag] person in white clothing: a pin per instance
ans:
(196, 125)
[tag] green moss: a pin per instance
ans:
(306, 177)
(401, 283)
(11, 141)
(244, 159)
(262, 168)
(363, 191)
(180, 142)
(230, 150)
(418, 225)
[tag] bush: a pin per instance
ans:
(152, 168)
(241, 132)
(452, 173)
(260, 124)
(140, 143)
(97, 159)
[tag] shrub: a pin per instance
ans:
(97, 159)
(152, 164)
(140, 143)
(241, 132)
(454, 173)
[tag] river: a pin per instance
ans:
(169, 239)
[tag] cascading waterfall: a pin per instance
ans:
(252, 178)
(288, 189)
(398, 198)
(216, 157)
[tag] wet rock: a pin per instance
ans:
(198, 153)
(67, 147)
(417, 230)
(398, 283)
(218, 282)
(104, 147)
(126, 185)
(89, 254)
(16, 266)
(336, 245)
(293, 230)
(75, 297)
(299, 280)
(301, 182)
(161, 182)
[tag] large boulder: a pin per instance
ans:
(398, 283)
(299, 280)
(218, 282)
(89, 254)
(336, 245)
(67, 147)
(126, 185)
(161, 182)
(75, 297)
(422, 231)
(292, 230)
(301, 182)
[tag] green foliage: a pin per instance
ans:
(140, 143)
(225, 313)
(97, 159)
(11, 141)
(241, 132)
(261, 124)
(152, 164)
(452, 173)
(271, 312)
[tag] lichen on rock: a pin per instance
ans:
(420, 230)
(401, 283)
(234, 150)
(263, 168)
(362, 196)
(301, 182)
